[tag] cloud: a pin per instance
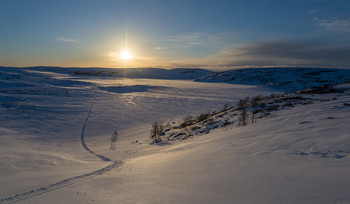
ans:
(282, 53)
(340, 25)
(113, 55)
(68, 40)
(313, 11)
(197, 39)
(159, 48)
(285, 53)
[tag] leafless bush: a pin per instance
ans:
(243, 103)
(156, 131)
(256, 105)
(243, 117)
(242, 106)
(203, 116)
(187, 121)
(226, 107)
(195, 128)
(114, 138)
(272, 96)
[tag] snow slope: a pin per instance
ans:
(277, 160)
(295, 155)
(43, 113)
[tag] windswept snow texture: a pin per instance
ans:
(296, 154)
(285, 79)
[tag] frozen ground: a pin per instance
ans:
(295, 155)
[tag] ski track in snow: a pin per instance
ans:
(68, 181)
(60, 184)
(82, 137)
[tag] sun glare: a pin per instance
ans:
(125, 55)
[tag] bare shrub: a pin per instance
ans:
(243, 117)
(242, 106)
(187, 121)
(272, 96)
(243, 103)
(203, 116)
(256, 104)
(195, 128)
(156, 131)
(114, 138)
(226, 107)
(226, 123)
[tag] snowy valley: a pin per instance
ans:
(56, 125)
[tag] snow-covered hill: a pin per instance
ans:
(298, 153)
(286, 79)
(148, 73)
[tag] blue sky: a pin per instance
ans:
(181, 33)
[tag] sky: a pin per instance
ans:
(214, 34)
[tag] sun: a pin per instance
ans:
(125, 55)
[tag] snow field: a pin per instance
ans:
(295, 155)
(259, 163)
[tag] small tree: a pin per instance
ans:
(187, 121)
(255, 104)
(243, 117)
(114, 138)
(243, 103)
(156, 131)
(242, 106)
(202, 117)
(226, 107)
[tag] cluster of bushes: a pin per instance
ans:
(191, 120)
(248, 108)
(326, 88)
(156, 131)
(158, 128)
(253, 105)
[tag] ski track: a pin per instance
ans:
(82, 137)
(61, 184)
(68, 181)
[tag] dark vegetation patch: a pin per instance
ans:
(330, 154)
(324, 89)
